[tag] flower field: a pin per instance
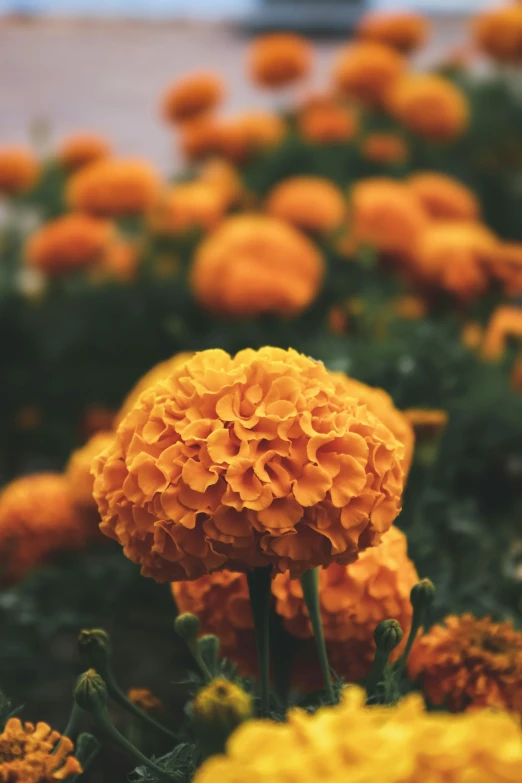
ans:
(261, 428)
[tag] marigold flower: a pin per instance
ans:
(507, 267)
(445, 198)
(114, 188)
(81, 149)
(146, 701)
(192, 96)
(35, 754)
(430, 106)
(37, 519)
(224, 177)
(426, 422)
(69, 243)
(498, 33)
(19, 170)
(404, 31)
(120, 262)
(200, 138)
(327, 121)
(384, 148)
(279, 59)
(367, 71)
(221, 705)
(249, 133)
(260, 459)
(188, 206)
(78, 470)
(505, 323)
(256, 264)
(309, 203)
(467, 662)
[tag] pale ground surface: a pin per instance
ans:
(107, 76)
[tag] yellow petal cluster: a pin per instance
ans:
(35, 754)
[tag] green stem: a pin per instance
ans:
(87, 748)
(74, 725)
(400, 665)
(259, 587)
(310, 587)
(193, 646)
(376, 675)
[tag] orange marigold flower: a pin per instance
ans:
(367, 71)
(81, 149)
(188, 206)
(120, 262)
(429, 105)
(256, 264)
(309, 203)
(114, 188)
(466, 662)
(69, 243)
(326, 121)
(384, 148)
(279, 59)
(404, 31)
(507, 267)
(445, 198)
(249, 133)
(410, 307)
(505, 323)
(387, 215)
(224, 177)
(427, 423)
(259, 459)
(200, 138)
(35, 754)
(192, 96)
(78, 470)
(145, 700)
(19, 170)
(498, 33)
(37, 519)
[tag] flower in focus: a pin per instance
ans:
(404, 31)
(309, 203)
(430, 106)
(192, 96)
(279, 59)
(260, 459)
(367, 71)
(37, 519)
(256, 264)
(221, 704)
(426, 422)
(467, 662)
(188, 206)
(69, 243)
(114, 188)
(78, 470)
(35, 754)
(384, 148)
(248, 134)
(326, 121)
(18, 170)
(146, 701)
(498, 33)
(508, 267)
(81, 149)
(445, 198)
(505, 323)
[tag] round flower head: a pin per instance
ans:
(384, 148)
(241, 462)
(309, 203)
(279, 59)
(78, 470)
(188, 206)
(466, 662)
(255, 264)
(200, 138)
(69, 243)
(224, 177)
(192, 96)
(35, 754)
(114, 188)
(445, 198)
(18, 170)
(327, 121)
(430, 106)
(507, 267)
(498, 33)
(404, 31)
(505, 323)
(81, 149)
(367, 71)
(248, 134)
(37, 519)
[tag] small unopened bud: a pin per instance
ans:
(422, 595)
(388, 635)
(220, 706)
(91, 692)
(187, 626)
(95, 645)
(209, 649)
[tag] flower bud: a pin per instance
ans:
(209, 649)
(388, 635)
(95, 645)
(187, 626)
(219, 707)
(91, 692)
(422, 595)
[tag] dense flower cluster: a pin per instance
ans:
(35, 754)
(18, 170)
(279, 59)
(81, 149)
(191, 96)
(114, 188)
(248, 133)
(69, 243)
(403, 31)
(309, 203)
(78, 470)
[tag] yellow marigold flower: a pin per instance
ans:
(410, 307)
(404, 30)
(35, 754)
(19, 170)
(498, 33)
(256, 264)
(249, 133)
(259, 459)
(351, 742)
(69, 243)
(78, 470)
(507, 267)
(37, 519)
(145, 700)
(426, 422)
(326, 121)
(188, 206)
(505, 323)
(309, 203)
(192, 96)
(221, 704)
(114, 188)
(81, 149)
(445, 198)
(367, 71)
(466, 662)
(384, 148)
(224, 177)
(279, 59)
(430, 106)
